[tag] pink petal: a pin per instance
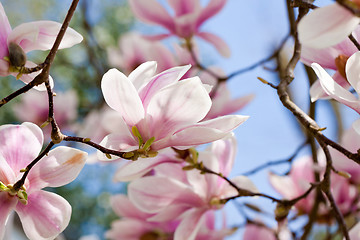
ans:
(317, 91)
(60, 167)
(334, 90)
(353, 71)
(121, 95)
(4, 67)
(203, 132)
(5, 30)
(179, 104)
(20, 144)
(133, 170)
(152, 194)
(128, 229)
(7, 175)
(225, 152)
(160, 81)
(150, 11)
(41, 35)
(169, 213)
(213, 7)
(143, 74)
(123, 207)
(326, 26)
(182, 7)
(284, 185)
(324, 56)
(190, 224)
(157, 37)
(7, 204)
(45, 216)
(218, 43)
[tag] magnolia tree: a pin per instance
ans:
(166, 124)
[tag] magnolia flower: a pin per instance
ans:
(43, 214)
(133, 223)
(189, 16)
(15, 43)
(349, 140)
(298, 182)
(337, 92)
(160, 111)
(334, 57)
(188, 196)
(34, 107)
(134, 50)
(326, 26)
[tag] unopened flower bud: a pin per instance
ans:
(281, 211)
(17, 55)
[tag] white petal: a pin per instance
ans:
(353, 71)
(121, 95)
(326, 26)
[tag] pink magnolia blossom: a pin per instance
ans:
(326, 26)
(349, 140)
(34, 108)
(43, 214)
(337, 92)
(334, 57)
(298, 182)
(186, 23)
(188, 196)
(161, 111)
(134, 50)
(133, 223)
(26, 37)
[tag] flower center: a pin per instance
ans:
(21, 193)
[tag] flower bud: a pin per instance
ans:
(17, 55)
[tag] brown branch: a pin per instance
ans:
(326, 188)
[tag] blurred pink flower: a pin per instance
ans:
(26, 37)
(34, 107)
(349, 140)
(298, 182)
(326, 26)
(337, 92)
(43, 214)
(162, 109)
(189, 195)
(134, 50)
(133, 223)
(186, 23)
